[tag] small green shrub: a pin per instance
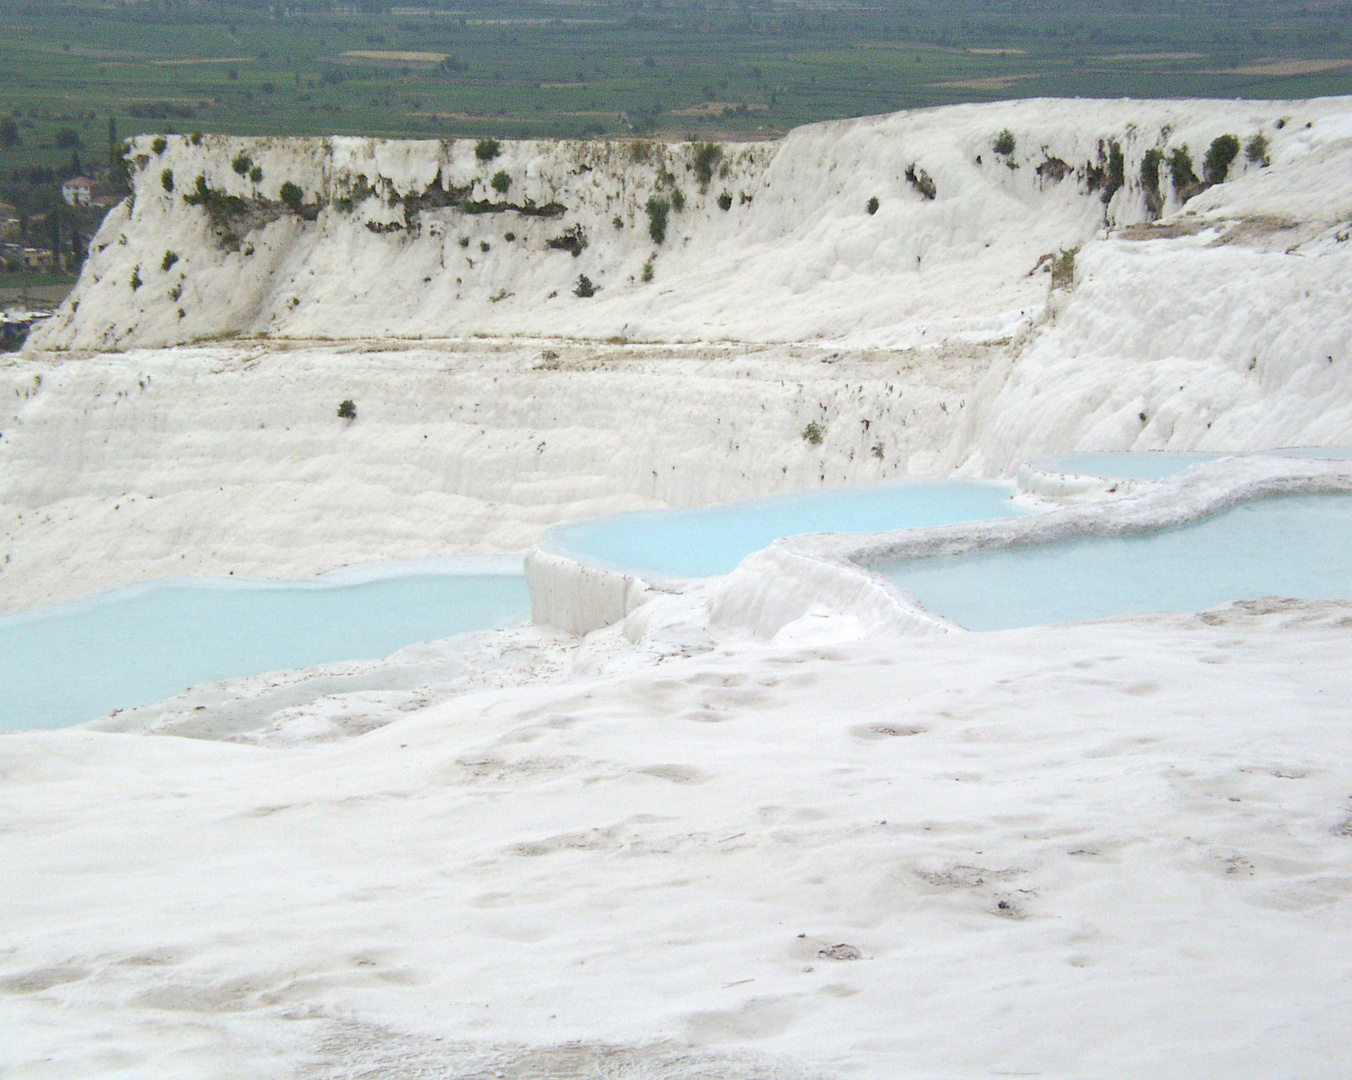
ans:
(1216, 165)
(1180, 169)
(1004, 143)
(678, 200)
(501, 182)
(485, 246)
(657, 218)
(647, 274)
(487, 149)
(1116, 173)
(510, 237)
(872, 206)
(1063, 269)
(196, 138)
(160, 144)
(617, 222)
(293, 198)
(242, 164)
(256, 174)
(725, 201)
(1256, 150)
(347, 410)
(813, 434)
(1150, 180)
(136, 282)
(170, 257)
(584, 286)
(463, 241)
(571, 240)
(707, 157)
(167, 180)
(877, 450)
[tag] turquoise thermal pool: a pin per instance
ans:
(73, 663)
(713, 540)
(1296, 545)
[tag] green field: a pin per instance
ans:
(76, 78)
(570, 69)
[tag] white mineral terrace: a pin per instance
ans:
(781, 823)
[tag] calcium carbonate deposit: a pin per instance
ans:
(778, 823)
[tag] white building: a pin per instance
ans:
(78, 191)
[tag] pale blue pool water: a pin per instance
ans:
(1299, 546)
(713, 540)
(1156, 465)
(73, 663)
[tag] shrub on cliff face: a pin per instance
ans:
(1256, 150)
(170, 257)
(487, 149)
(658, 209)
(1216, 165)
(584, 287)
(571, 240)
(1116, 173)
(1150, 181)
(293, 198)
(347, 410)
(1004, 143)
(241, 164)
(1063, 269)
(501, 182)
(813, 434)
(1180, 169)
(707, 156)
(167, 180)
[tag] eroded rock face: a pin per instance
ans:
(890, 230)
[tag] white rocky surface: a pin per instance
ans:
(671, 848)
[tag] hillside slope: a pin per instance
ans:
(1038, 319)
(354, 238)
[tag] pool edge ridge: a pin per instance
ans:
(570, 595)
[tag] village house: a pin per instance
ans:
(78, 191)
(38, 260)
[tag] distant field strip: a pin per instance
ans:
(993, 82)
(1287, 68)
(407, 57)
(204, 60)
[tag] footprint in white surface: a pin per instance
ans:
(677, 774)
(760, 1018)
(40, 979)
(871, 732)
(711, 678)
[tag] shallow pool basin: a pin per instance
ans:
(665, 544)
(72, 663)
(1295, 546)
